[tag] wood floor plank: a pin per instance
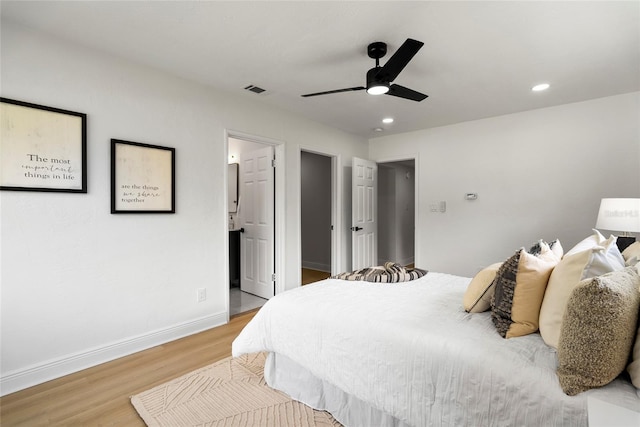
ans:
(311, 276)
(99, 396)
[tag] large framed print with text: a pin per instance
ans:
(42, 148)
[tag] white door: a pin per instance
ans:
(364, 213)
(257, 221)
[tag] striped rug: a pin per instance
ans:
(231, 392)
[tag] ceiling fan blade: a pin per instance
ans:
(399, 60)
(405, 92)
(349, 89)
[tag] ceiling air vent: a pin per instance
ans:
(254, 89)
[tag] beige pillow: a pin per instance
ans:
(631, 254)
(477, 297)
(574, 267)
(598, 329)
(515, 309)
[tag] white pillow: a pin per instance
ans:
(596, 239)
(557, 248)
(574, 267)
(631, 255)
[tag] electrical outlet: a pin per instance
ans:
(202, 294)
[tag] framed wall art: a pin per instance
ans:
(142, 178)
(42, 148)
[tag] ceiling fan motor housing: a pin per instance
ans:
(376, 86)
(372, 79)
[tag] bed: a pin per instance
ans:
(407, 354)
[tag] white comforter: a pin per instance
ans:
(410, 350)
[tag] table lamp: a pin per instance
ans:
(620, 215)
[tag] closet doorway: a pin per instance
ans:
(396, 212)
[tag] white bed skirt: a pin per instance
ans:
(285, 375)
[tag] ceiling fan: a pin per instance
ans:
(379, 78)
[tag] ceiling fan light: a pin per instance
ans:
(378, 89)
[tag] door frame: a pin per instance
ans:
(336, 208)
(418, 230)
(279, 215)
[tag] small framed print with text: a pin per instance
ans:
(42, 148)
(142, 178)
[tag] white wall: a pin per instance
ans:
(538, 174)
(81, 286)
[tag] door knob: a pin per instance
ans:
(356, 228)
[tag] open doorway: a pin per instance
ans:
(396, 212)
(251, 223)
(316, 228)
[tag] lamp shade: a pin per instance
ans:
(619, 215)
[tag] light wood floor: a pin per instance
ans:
(310, 276)
(99, 396)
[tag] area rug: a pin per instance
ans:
(231, 392)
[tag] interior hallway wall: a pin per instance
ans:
(315, 211)
(386, 213)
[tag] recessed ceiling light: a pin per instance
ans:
(387, 120)
(378, 130)
(540, 87)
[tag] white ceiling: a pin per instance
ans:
(480, 59)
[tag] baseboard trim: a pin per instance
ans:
(316, 266)
(404, 261)
(40, 373)
(407, 261)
